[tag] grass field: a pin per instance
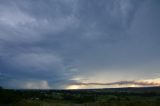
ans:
(94, 97)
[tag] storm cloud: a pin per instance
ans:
(50, 44)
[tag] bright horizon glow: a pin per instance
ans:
(73, 87)
(120, 84)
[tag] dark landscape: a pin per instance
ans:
(149, 96)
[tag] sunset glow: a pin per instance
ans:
(73, 87)
(136, 83)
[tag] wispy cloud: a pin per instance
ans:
(140, 83)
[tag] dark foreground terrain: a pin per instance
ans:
(94, 97)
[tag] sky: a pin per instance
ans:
(79, 44)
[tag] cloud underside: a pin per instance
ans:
(46, 44)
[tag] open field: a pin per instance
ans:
(93, 97)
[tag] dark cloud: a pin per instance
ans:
(47, 43)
